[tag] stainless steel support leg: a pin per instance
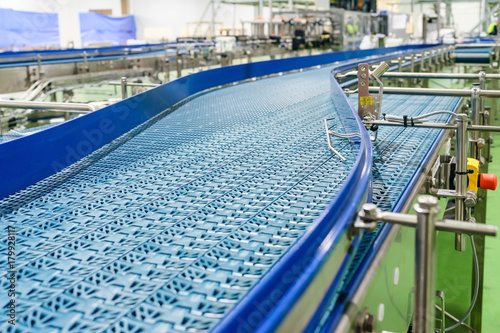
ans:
(475, 109)
(425, 250)
(424, 312)
(461, 177)
(179, 65)
(124, 87)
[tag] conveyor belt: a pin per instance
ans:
(172, 227)
(167, 227)
(30, 58)
(473, 54)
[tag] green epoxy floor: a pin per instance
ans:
(491, 292)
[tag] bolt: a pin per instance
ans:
(427, 201)
(480, 143)
(369, 212)
(470, 199)
(369, 323)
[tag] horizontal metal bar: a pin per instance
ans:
(424, 125)
(425, 91)
(439, 75)
(416, 75)
(473, 45)
(47, 106)
(134, 84)
(439, 92)
(480, 128)
(441, 225)
(483, 128)
(472, 55)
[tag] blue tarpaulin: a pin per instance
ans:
(19, 29)
(97, 27)
(33, 29)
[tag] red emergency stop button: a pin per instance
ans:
(487, 181)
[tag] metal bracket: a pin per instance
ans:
(444, 193)
(369, 105)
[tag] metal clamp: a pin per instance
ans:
(369, 105)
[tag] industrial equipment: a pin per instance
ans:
(215, 202)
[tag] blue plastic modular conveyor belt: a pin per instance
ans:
(30, 58)
(174, 225)
(473, 55)
(169, 226)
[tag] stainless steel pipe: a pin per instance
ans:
(461, 176)
(424, 312)
(47, 106)
(440, 92)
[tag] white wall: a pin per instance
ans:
(465, 15)
(114, 5)
(50, 6)
(155, 19)
(169, 18)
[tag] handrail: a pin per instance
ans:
(17, 59)
(134, 84)
(47, 106)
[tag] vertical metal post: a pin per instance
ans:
(438, 19)
(179, 64)
(212, 21)
(424, 26)
(425, 263)
(85, 63)
(39, 62)
(482, 86)
(124, 87)
(482, 18)
(475, 101)
(270, 17)
(461, 176)
(412, 69)
(448, 13)
(167, 65)
(234, 19)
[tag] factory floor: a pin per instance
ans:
(491, 293)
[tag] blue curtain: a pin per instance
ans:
(32, 29)
(18, 29)
(97, 27)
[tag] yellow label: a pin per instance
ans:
(366, 100)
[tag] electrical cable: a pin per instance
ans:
(417, 119)
(476, 289)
